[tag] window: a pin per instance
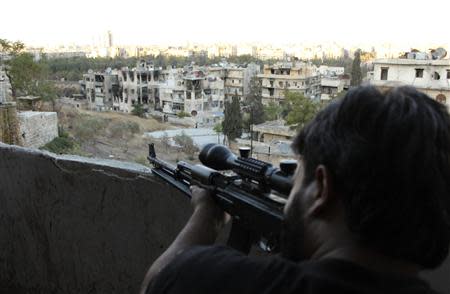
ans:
(419, 72)
(384, 73)
(280, 84)
(448, 74)
(436, 76)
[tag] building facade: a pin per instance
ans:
(431, 76)
(298, 77)
(139, 85)
(101, 89)
(191, 89)
(333, 81)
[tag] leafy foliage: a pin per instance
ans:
(138, 110)
(301, 109)
(356, 70)
(183, 114)
(273, 111)
(27, 77)
(232, 123)
(60, 145)
(218, 128)
(186, 143)
(253, 104)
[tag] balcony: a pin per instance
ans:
(84, 225)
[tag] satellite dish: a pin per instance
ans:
(438, 53)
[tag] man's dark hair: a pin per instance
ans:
(389, 158)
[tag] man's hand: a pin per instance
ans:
(203, 203)
(202, 229)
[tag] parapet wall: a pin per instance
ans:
(79, 225)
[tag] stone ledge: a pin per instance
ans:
(81, 225)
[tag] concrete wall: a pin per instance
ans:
(37, 128)
(79, 225)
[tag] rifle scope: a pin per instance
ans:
(219, 157)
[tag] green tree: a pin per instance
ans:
(218, 129)
(27, 77)
(24, 74)
(253, 104)
(47, 91)
(232, 123)
(356, 70)
(302, 109)
(138, 110)
(272, 111)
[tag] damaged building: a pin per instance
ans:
(237, 80)
(139, 85)
(298, 77)
(191, 89)
(195, 89)
(101, 89)
(333, 81)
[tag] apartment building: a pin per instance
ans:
(333, 81)
(191, 89)
(139, 85)
(298, 77)
(101, 89)
(429, 73)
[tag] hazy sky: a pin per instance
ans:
(177, 21)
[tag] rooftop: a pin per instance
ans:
(404, 61)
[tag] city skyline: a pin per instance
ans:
(48, 23)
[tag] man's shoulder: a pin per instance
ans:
(220, 269)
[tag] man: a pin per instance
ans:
(369, 209)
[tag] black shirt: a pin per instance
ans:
(219, 269)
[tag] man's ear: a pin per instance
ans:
(321, 192)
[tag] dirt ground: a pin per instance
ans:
(118, 136)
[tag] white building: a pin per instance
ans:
(333, 81)
(427, 75)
